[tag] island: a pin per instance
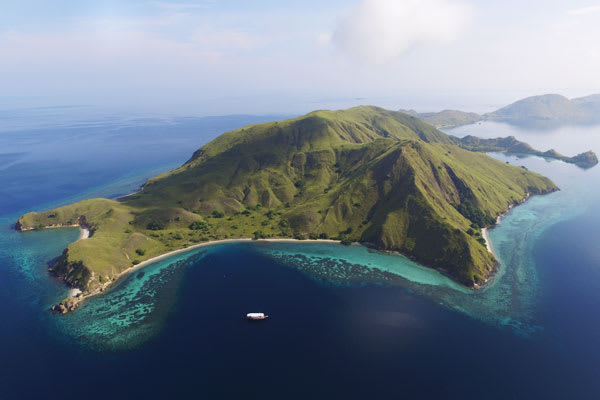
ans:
(511, 145)
(447, 118)
(381, 178)
(541, 112)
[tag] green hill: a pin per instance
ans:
(545, 111)
(365, 174)
(447, 118)
(550, 109)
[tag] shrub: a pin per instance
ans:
(346, 241)
(155, 226)
(323, 236)
(135, 262)
(477, 217)
(199, 226)
(140, 252)
(259, 235)
(284, 223)
(218, 214)
(128, 230)
(270, 214)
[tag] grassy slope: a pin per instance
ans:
(363, 174)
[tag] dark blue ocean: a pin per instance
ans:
(345, 322)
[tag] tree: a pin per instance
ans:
(218, 214)
(259, 235)
(199, 226)
(155, 226)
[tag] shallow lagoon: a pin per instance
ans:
(350, 321)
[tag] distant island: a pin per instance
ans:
(512, 145)
(381, 178)
(546, 111)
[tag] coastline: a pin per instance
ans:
(213, 242)
(485, 231)
(488, 242)
(76, 296)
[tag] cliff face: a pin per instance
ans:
(73, 273)
(364, 174)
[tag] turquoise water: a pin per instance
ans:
(354, 322)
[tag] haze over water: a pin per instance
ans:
(345, 321)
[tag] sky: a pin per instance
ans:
(267, 56)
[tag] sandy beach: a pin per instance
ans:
(488, 243)
(157, 258)
(85, 234)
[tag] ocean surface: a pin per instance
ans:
(346, 322)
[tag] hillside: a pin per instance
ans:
(365, 174)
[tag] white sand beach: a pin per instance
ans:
(488, 243)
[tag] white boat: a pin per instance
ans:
(256, 316)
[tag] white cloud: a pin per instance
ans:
(584, 10)
(377, 31)
(181, 6)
